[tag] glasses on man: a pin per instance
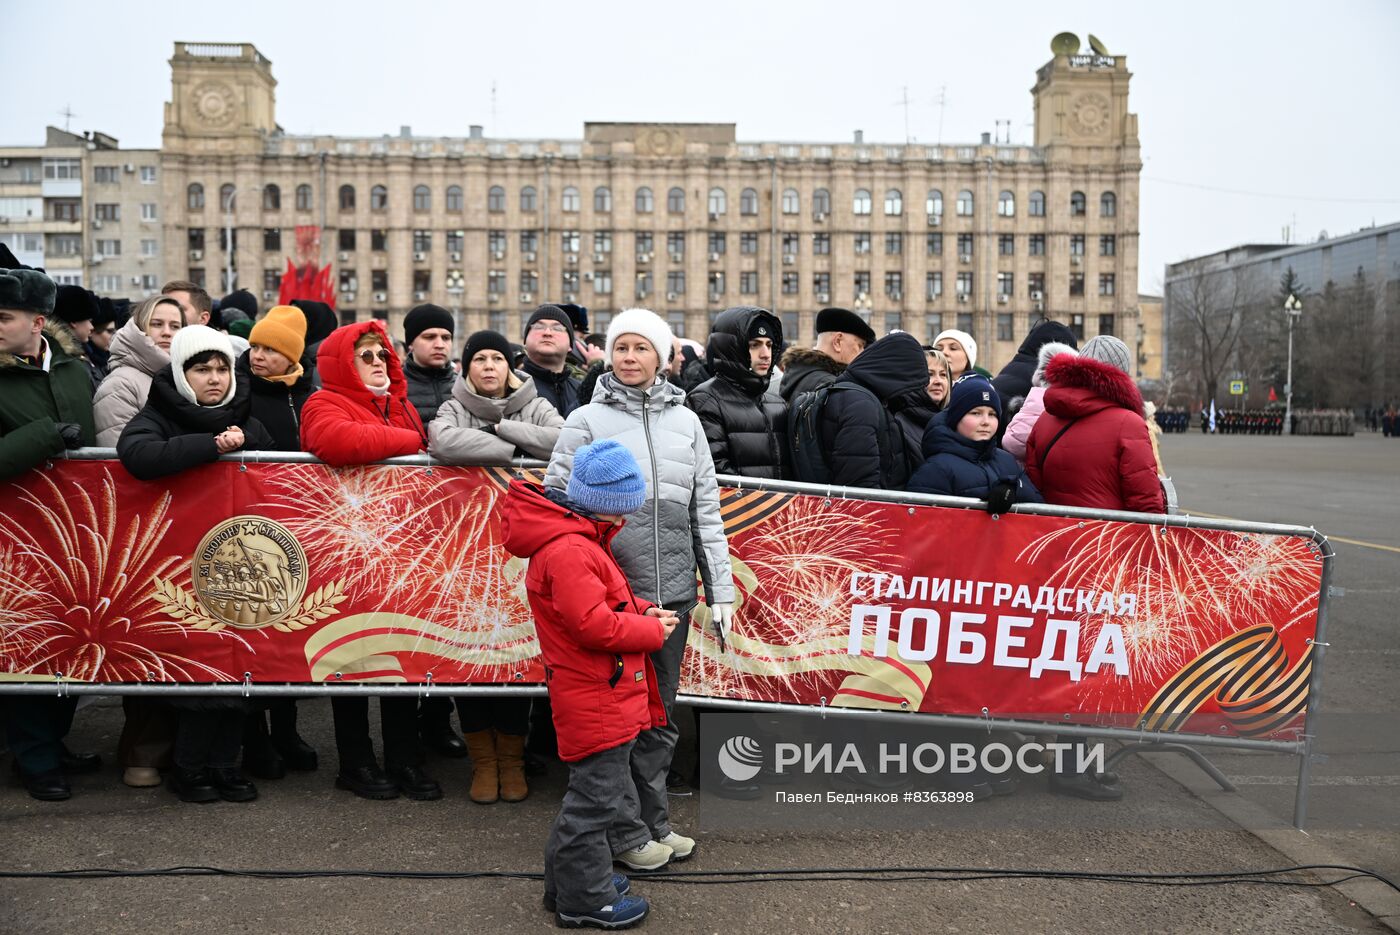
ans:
(548, 327)
(368, 356)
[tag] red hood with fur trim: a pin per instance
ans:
(1080, 386)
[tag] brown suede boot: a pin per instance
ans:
(511, 750)
(481, 744)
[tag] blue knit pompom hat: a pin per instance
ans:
(606, 479)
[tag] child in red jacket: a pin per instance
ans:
(596, 637)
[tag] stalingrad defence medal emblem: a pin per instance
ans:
(249, 572)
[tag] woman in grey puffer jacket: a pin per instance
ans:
(494, 414)
(661, 544)
(140, 350)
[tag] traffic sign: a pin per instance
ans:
(1236, 387)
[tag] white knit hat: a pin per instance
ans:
(648, 324)
(969, 344)
(1048, 350)
(196, 339)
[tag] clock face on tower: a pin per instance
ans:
(1089, 114)
(214, 104)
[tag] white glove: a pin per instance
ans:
(722, 615)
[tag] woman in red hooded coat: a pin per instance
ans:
(360, 415)
(1091, 447)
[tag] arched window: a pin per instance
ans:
(792, 202)
(455, 202)
(529, 199)
(821, 202)
(675, 201)
(272, 198)
(748, 202)
(379, 198)
(1037, 208)
(303, 197)
(1108, 205)
(569, 201)
(965, 203)
(194, 197)
(496, 199)
(646, 203)
(226, 197)
(347, 198)
(422, 198)
(718, 203)
(861, 203)
(894, 202)
(1006, 205)
(1077, 208)
(602, 199)
(933, 204)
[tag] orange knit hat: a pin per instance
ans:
(283, 329)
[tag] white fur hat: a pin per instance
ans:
(649, 325)
(969, 344)
(196, 339)
(1048, 350)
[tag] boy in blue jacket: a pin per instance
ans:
(963, 459)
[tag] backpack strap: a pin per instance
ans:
(1040, 462)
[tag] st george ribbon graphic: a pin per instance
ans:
(297, 572)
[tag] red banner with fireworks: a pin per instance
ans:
(305, 573)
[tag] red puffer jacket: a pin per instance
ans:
(593, 632)
(1104, 459)
(343, 422)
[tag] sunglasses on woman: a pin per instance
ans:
(368, 356)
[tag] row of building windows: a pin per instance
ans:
(110, 175)
(602, 283)
(717, 243)
(717, 203)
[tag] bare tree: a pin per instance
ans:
(1211, 311)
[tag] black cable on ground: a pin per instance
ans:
(1261, 877)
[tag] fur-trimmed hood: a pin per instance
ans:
(812, 359)
(1081, 386)
(58, 334)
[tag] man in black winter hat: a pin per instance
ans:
(104, 328)
(427, 334)
(76, 307)
(841, 336)
(549, 336)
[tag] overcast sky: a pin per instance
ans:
(1253, 115)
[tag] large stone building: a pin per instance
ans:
(683, 218)
(1224, 321)
(85, 210)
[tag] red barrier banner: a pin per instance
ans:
(305, 573)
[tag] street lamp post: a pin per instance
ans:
(1292, 308)
(228, 239)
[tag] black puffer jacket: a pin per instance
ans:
(913, 410)
(1015, 378)
(806, 369)
(171, 434)
(745, 426)
(428, 387)
(276, 405)
(561, 389)
(863, 443)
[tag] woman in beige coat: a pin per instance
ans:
(140, 350)
(493, 416)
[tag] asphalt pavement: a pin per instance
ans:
(1169, 822)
